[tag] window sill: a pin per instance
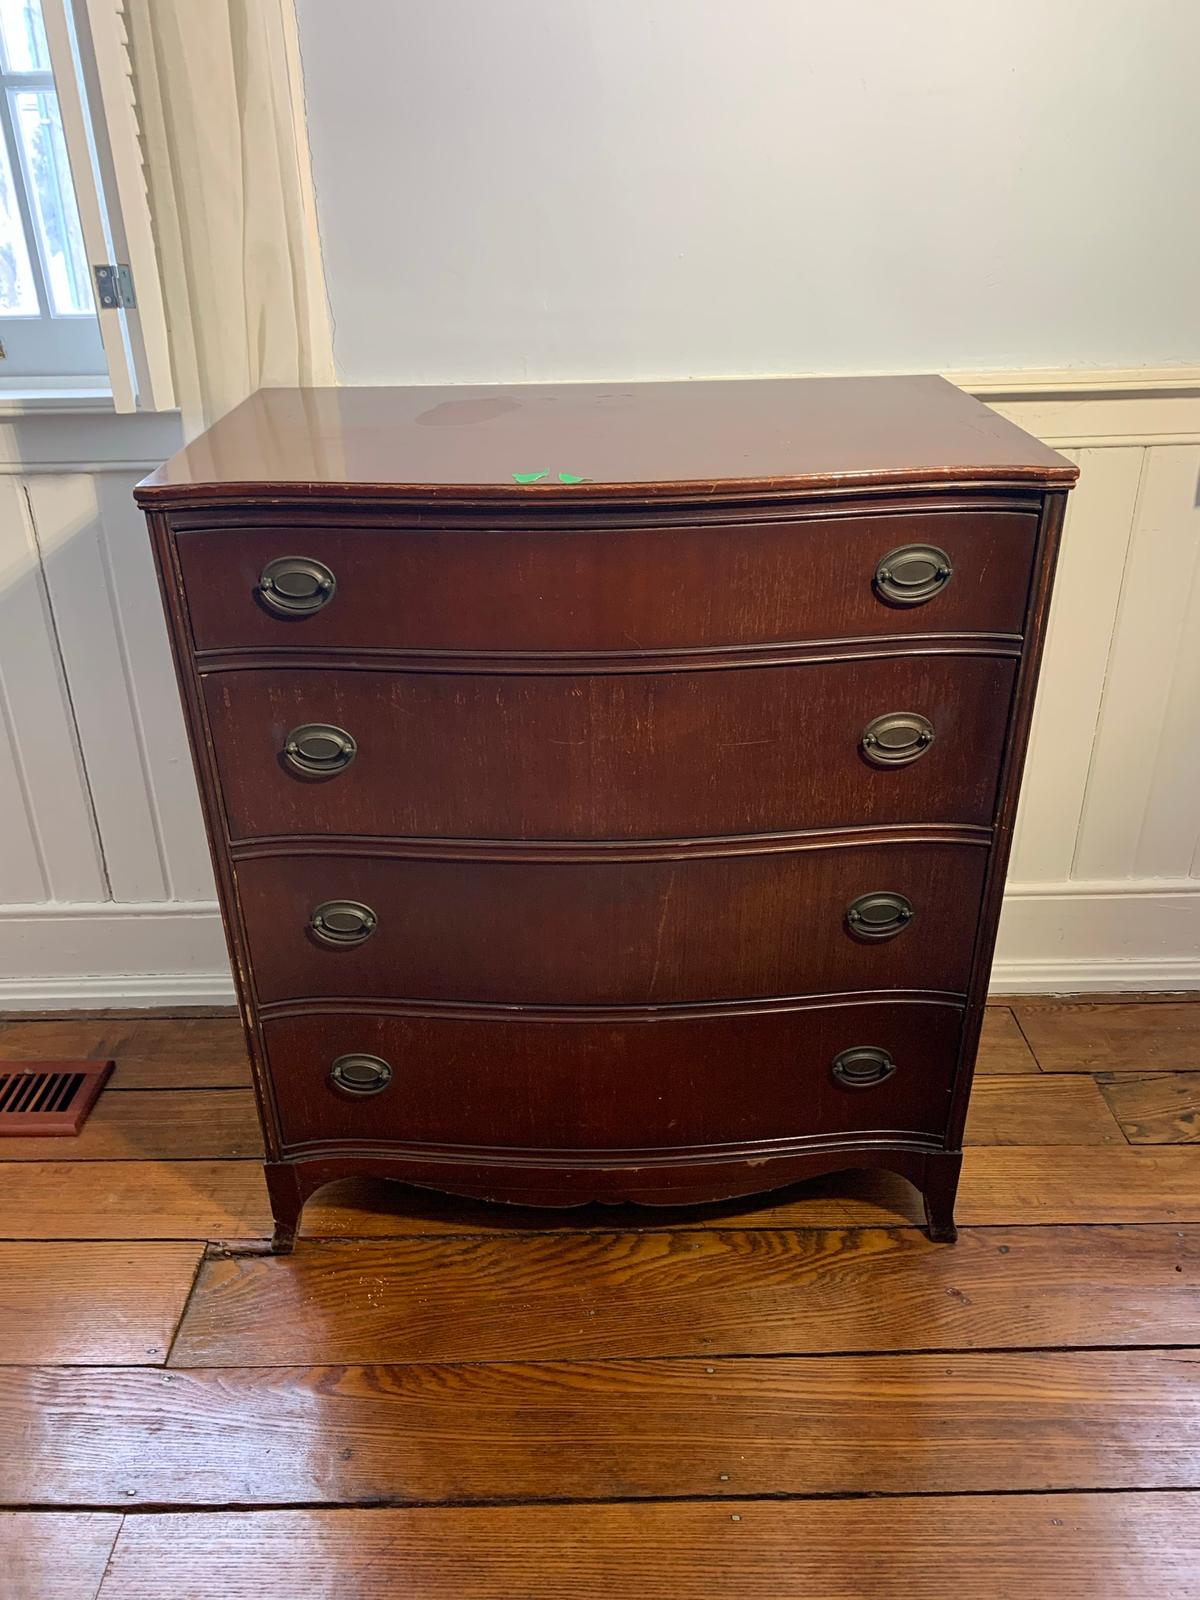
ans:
(18, 402)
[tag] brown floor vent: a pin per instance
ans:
(49, 1097)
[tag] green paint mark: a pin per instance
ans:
(569, 477)
(529, 477)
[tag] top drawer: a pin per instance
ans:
(625, 590)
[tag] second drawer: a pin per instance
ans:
(643, 932)
(610, 756)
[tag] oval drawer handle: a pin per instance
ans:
(342, 923)
(881, 915)
(912, 574)
(896, 738)
(360, 1074)
(295, 586)
(862, 1066)
(318, 749)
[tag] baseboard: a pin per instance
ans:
(85, 957)
(122, 991)
(1091, 977)
(1055, 938)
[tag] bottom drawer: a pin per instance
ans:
(578, 1081)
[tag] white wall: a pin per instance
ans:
(516, 190)
(535, 189)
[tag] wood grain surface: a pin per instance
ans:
(613, 756)
(618, 1429)
(713, 584)
(567, 1296)
(1154, 1107)
(715, 927)
(753, 434)
(656, 1374)
(1040, 1110)
(1002, 1046)
(151, 1053)
(132, 1200)
(1038, 1547)
(92, 1303)
(1074, 1036)
(54, 1555)
(147, 1125)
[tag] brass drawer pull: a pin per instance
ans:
(360, 1075)
(896, 738)
(318, 749)
(342, 923)
(912, 574)
(862, 1067)
(295, 586)
(881, 915)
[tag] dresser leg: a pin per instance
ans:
(938, 1192)
(287, 1201)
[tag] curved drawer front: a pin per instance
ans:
(611, 756)
(612, 932)
(614, 589)
(560, 1085)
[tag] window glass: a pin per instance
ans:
(22, 36)
(56, 216)
(18, 292)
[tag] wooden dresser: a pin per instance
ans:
(610, 786)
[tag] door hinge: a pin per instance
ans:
(114, 287)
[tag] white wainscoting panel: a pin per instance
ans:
(101, 585)
(1104, 883)
(49, 849)
(106, 892)
(100, 577)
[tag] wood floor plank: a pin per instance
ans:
(95, 1303)
(1079, 1183)
(1038, 1547)
(1040, 1110)
(1012, 1184)
(177, 1072)
(66, 1039)
(1002, 1046)
(1000, 1184)
(226, 1200)
(1154, 1107)
(597, 1430)
(132, 1200)
(160, 1124)
(1078, 1036)
(579, 1296)
(154, 1053)
(54, 1556)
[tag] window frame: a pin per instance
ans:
(64, 347)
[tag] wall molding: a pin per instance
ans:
(1095, 410)
(1064, 937)
(91, 955)
(1140, 976)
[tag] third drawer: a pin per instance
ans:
(632, 932)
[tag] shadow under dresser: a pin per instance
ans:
(610, 787)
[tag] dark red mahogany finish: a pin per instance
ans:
(613, 804)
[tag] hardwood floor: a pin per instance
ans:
(789, 1397)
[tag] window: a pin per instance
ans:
(48, 323)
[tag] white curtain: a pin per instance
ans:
(221, 109)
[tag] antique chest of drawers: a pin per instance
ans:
(610, 787)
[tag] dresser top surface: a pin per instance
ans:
(702, 439)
